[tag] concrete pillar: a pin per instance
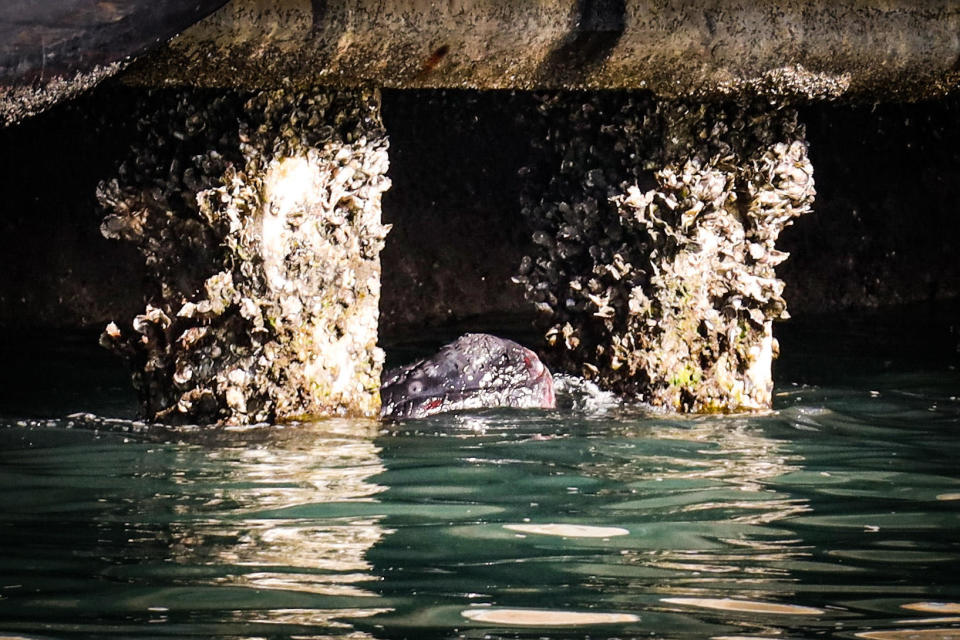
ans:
(655, 225)
(259, 221)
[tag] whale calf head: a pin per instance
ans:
(475, 371)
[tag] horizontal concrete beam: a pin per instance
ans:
(886, 49)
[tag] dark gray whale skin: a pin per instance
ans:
(475, 371)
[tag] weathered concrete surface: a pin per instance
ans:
(53, 50)
(814, 49)
(260, 228)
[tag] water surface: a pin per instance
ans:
(836, 515)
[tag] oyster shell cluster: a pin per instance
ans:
(655, 226)
(258, 217)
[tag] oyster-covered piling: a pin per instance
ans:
(259, 220)
(655, 226)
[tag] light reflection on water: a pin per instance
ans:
(833, 516)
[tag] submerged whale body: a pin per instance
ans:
(475, 371)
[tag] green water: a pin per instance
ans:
(836, 515)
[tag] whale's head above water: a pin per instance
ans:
(475, 371)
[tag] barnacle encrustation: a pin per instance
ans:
(677, 208)
(258, 217)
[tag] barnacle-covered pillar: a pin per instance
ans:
(259, 219)
(655, 225)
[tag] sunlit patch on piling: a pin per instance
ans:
(568, 530)
(546, 617)
(745, 606)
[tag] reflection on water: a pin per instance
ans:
(223, 524)
(545, 618)
(912, 634)
(568, 530)
(713, 472)
(833, 516)
(746, 606)
(270, 551)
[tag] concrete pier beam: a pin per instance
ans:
(815, 49)
(655, 226)
(54, 50)
(259, 221)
